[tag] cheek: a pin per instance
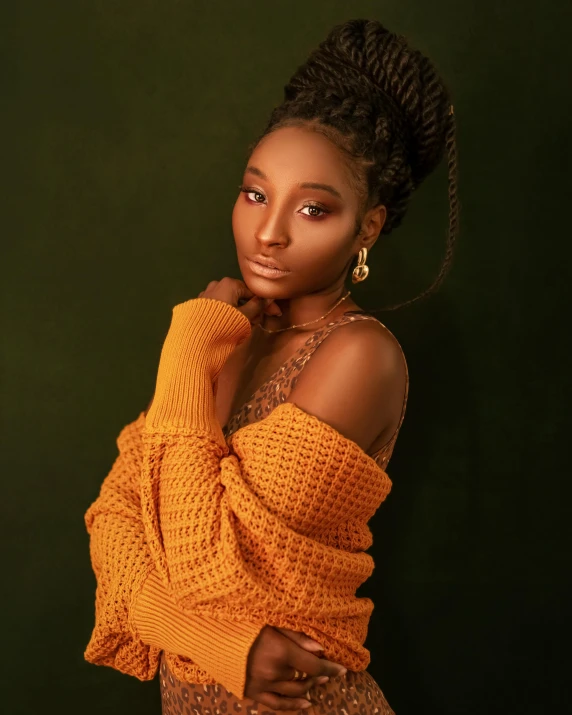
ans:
(320, 259)
(236, 221)
(242, 219)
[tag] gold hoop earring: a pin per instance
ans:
(361, 271)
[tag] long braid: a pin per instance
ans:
(453, 219)
(386, 108)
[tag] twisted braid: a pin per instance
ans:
(385, 107)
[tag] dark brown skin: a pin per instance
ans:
(274, 220)
(354, 383)
(270, 669)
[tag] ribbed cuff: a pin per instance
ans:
(202, 334)
(218, 645)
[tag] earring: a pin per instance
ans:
(361, 271)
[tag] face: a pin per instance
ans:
(283, 214)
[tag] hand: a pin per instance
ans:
(270, 666)
(233, 290)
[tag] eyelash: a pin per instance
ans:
(246, 190)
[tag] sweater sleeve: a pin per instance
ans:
(120, 560)
(219, 544)
(136, 616)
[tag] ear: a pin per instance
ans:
(371, 226)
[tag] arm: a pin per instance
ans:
(220, 522)
(128, 635)
(120, 560)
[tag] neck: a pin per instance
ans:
(309, 308)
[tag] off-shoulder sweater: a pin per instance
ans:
(197, 542)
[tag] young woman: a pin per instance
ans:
(363, 122)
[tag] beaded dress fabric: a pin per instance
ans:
(355, 693)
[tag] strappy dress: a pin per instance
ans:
(355, 693)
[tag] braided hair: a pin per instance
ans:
(385, 107)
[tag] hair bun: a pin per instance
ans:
(384, 104)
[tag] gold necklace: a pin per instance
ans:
(301, 325)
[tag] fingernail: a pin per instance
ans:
(305, 704)
(322, 679)
(315, 646)
(343, 671)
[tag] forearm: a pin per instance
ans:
(135, 615)
(218, 645)
(183, 445)
(210, 534)
(202, 334)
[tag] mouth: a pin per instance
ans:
(266, 271)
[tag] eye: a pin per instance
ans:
(251, 191)
(316, 208)
(256, 193)
(313, 207)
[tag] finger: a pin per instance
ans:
(241, 290)
(279, 702)
(294, 688)
(301, 659)
(272, 309)
(253, 308)
(302, 640)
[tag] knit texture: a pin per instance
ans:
(269, 527)
(272, 525)
(132, 626)
(121, 561)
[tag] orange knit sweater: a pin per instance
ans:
(224, 537)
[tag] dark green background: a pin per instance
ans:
(125, 130)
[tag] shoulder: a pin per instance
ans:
(364, 344)
(355, 380)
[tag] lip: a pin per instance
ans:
(265, 271)
(268, 262)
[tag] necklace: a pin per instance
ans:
(301, 325)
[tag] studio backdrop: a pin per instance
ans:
(126, 127)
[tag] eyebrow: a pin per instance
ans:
(306, 185)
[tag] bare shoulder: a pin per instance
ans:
(377, 338)
(355, 380)
(365, 344)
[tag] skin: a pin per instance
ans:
(274, 220)
(272, 217)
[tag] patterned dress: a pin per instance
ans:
(355, 693)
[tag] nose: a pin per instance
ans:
(272, 230)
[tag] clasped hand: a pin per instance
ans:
(272, 661)
(233, 291)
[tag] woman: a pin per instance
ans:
(363, 122)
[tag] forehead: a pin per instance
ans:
(295, 154)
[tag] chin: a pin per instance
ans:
(264, 288)
(260, 287)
